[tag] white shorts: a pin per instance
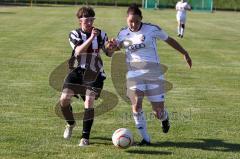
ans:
(181, 18)
(152, 86)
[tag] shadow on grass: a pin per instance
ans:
(211, 39)
(149, 152)
(104, 140)
(203, 144)
(108, 141)
(7, 13)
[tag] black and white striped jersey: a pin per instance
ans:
(91, 59)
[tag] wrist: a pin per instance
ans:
(91, 37)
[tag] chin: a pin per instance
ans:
(89, 30)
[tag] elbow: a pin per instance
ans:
(169, 40)
(172, 42)
(79, 51)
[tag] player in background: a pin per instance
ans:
(86, 43)
(139, 41)
(182, 7)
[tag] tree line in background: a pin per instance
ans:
(217, 4)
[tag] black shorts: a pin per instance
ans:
(80, 80)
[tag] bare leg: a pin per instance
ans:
(158, 110)
(136, 98)
(179, 28)
(66, 108)
(161, 114)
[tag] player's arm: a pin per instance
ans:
(84, 46)
(176, 8)
(113, 45)
(173, 43)
(188, 7)
(110, 47)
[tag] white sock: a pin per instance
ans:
(179, 30)
(164, 115)
(182, 31)
(140, 122)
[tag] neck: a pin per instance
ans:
(85, 30)
(137, 28)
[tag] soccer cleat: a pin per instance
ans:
(68, 131)
(179, 35)
(144, 143)
(84, 142)
(165, 125)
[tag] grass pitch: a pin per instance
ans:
(203, 104)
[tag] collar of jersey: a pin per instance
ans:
(85, 32)
(138, 28)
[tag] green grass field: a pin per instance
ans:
(203, 104)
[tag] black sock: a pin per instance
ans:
(87, 122)
(68, 115)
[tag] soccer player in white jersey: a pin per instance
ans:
(86, 43)
(182, 7)
(139, 41)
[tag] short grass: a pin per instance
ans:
(203, 104)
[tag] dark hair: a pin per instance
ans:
(133, 9)
(85, 12)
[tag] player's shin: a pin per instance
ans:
(162, 115)
(68, 115)
(179, 30)
(87, 122)
(182, 29)
(140, 122)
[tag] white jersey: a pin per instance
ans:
(142, 49)
(181, 8)
(142, 44)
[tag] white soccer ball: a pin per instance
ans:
(122, 138)
(126, 43)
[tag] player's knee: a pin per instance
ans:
(136, 107)
(89, 101)
(65, 100)
(136, 104)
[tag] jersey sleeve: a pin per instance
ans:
(104, 38)
(159, 33)
(75, 39)
(177, 8)
(119, 37)
(188, 6)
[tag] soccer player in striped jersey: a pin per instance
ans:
(139, 42)
(182, 7)
(86, 75)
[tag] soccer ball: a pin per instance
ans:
(125, 43)
(122, 138)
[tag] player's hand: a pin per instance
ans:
(188, 59)
(95, 32)
(112, 45)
